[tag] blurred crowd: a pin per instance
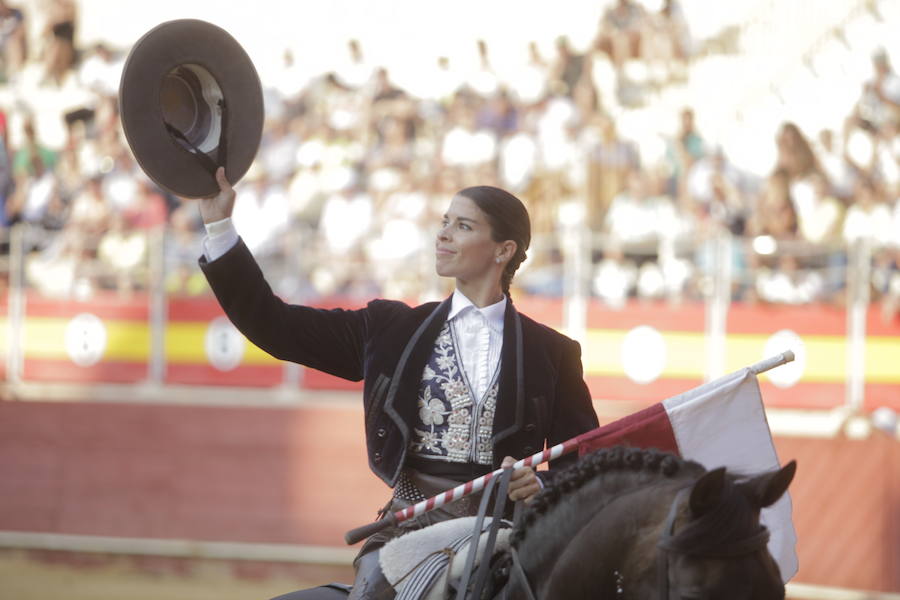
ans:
(354, 171)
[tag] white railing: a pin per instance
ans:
(576, 250)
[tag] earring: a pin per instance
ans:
(497, 260)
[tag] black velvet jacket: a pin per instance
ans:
(542, 396)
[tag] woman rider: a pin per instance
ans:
(452, 389)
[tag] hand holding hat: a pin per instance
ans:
(191, 103)
(218, 207)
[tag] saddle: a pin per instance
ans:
(472, 571)
(425, 564)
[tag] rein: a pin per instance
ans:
(667, 546)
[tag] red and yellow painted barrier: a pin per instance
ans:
(641, 353)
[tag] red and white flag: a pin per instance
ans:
(720, 423)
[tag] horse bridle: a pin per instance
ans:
(666, 546)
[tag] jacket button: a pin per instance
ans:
(529, 427)
(376, 457)
(381, 432)
(528, 451)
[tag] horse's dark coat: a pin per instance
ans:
(594, 533)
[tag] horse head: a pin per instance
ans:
(628, 523)
(716, 546)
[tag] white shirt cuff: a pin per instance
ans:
(221, 236)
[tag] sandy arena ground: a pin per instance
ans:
(41, 576)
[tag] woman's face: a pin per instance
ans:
(464, 248)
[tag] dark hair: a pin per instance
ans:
(508, 219)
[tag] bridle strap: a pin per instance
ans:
(518, 574)
(755, 542)
(666, 546)
(662, 557)
(502, 483)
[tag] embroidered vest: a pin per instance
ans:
(452, 425)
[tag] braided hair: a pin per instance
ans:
(508, 219)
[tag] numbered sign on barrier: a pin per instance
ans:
(224, 344)
(85, 339)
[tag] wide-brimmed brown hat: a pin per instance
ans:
(190, 101)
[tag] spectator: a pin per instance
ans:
(529, 84)
(101, 71)
(868, 218)
(886, 157)
(384, 90)
(518, 159)
(834, 164)
(13, 42)
(148, 212)
(346, 219)
(795, 154)
(567, 70)
(714, 186)
(59, 38)
(610, 161)
(356, 73)
(677, 30)
(91, 214)
(820, 226)
(880, 99)
(667, 43)
(498, 114)
(123, 255)
(543, 275)
(184, 245)
(638, 219)
(438, 87)
(287, 87)
(614, 277)
(620, 32)
(357, 129)
(120, 183)
(775, 215)
(773, 227)
(278, 152)
(684, 149)
(6, 174)
(889, 269)
(33, 159)
(35, 183)
(262, 212)
(483, 80)
(821, 221)
(465, 145)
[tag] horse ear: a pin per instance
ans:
(707, 491)
(767, 488)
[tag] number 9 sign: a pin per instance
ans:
(224, 344)
(85, 339)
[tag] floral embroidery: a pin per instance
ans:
(431, 410)
(428, 440)
(451, 425)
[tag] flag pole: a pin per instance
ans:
(770, 363)
(476, 485)
(460, 491)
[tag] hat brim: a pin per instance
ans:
(160, 51)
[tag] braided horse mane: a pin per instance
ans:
(568, 491)
(606, 513)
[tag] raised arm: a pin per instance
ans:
(328, 340)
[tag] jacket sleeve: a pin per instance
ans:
(574, 410)
(327, 340)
